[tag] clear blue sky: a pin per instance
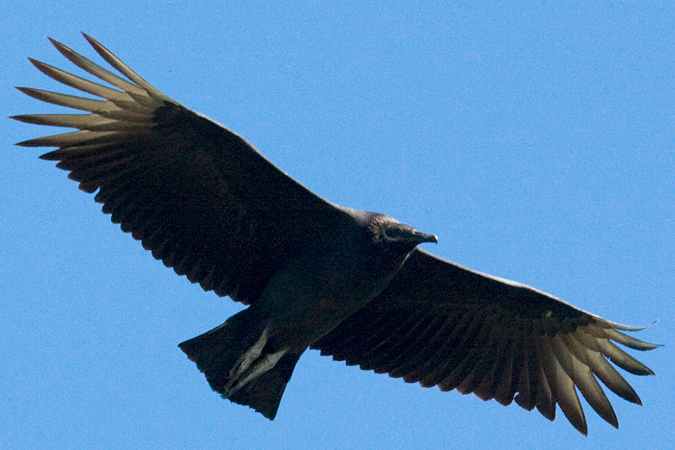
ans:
(536, 141)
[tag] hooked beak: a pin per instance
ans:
(423, 237)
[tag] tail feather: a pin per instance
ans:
(217, 351)
(264, 393)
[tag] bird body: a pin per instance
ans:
(352, 284)
(310, 295)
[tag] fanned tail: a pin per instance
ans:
(239, 366)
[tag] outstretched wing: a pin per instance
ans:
(438, 323)
(197, 195)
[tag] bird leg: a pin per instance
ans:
(244, 370)
(260, 367)
(244, 361)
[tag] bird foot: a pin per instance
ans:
(244, 361)
(260, 367)
(250, 365)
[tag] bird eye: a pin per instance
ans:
(395, 232)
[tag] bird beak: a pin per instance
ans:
(422, 237)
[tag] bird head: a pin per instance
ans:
(395, 235)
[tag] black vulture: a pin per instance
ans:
(352, 284)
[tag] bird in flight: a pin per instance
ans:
(352, 284)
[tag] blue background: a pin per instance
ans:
(536, 140)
